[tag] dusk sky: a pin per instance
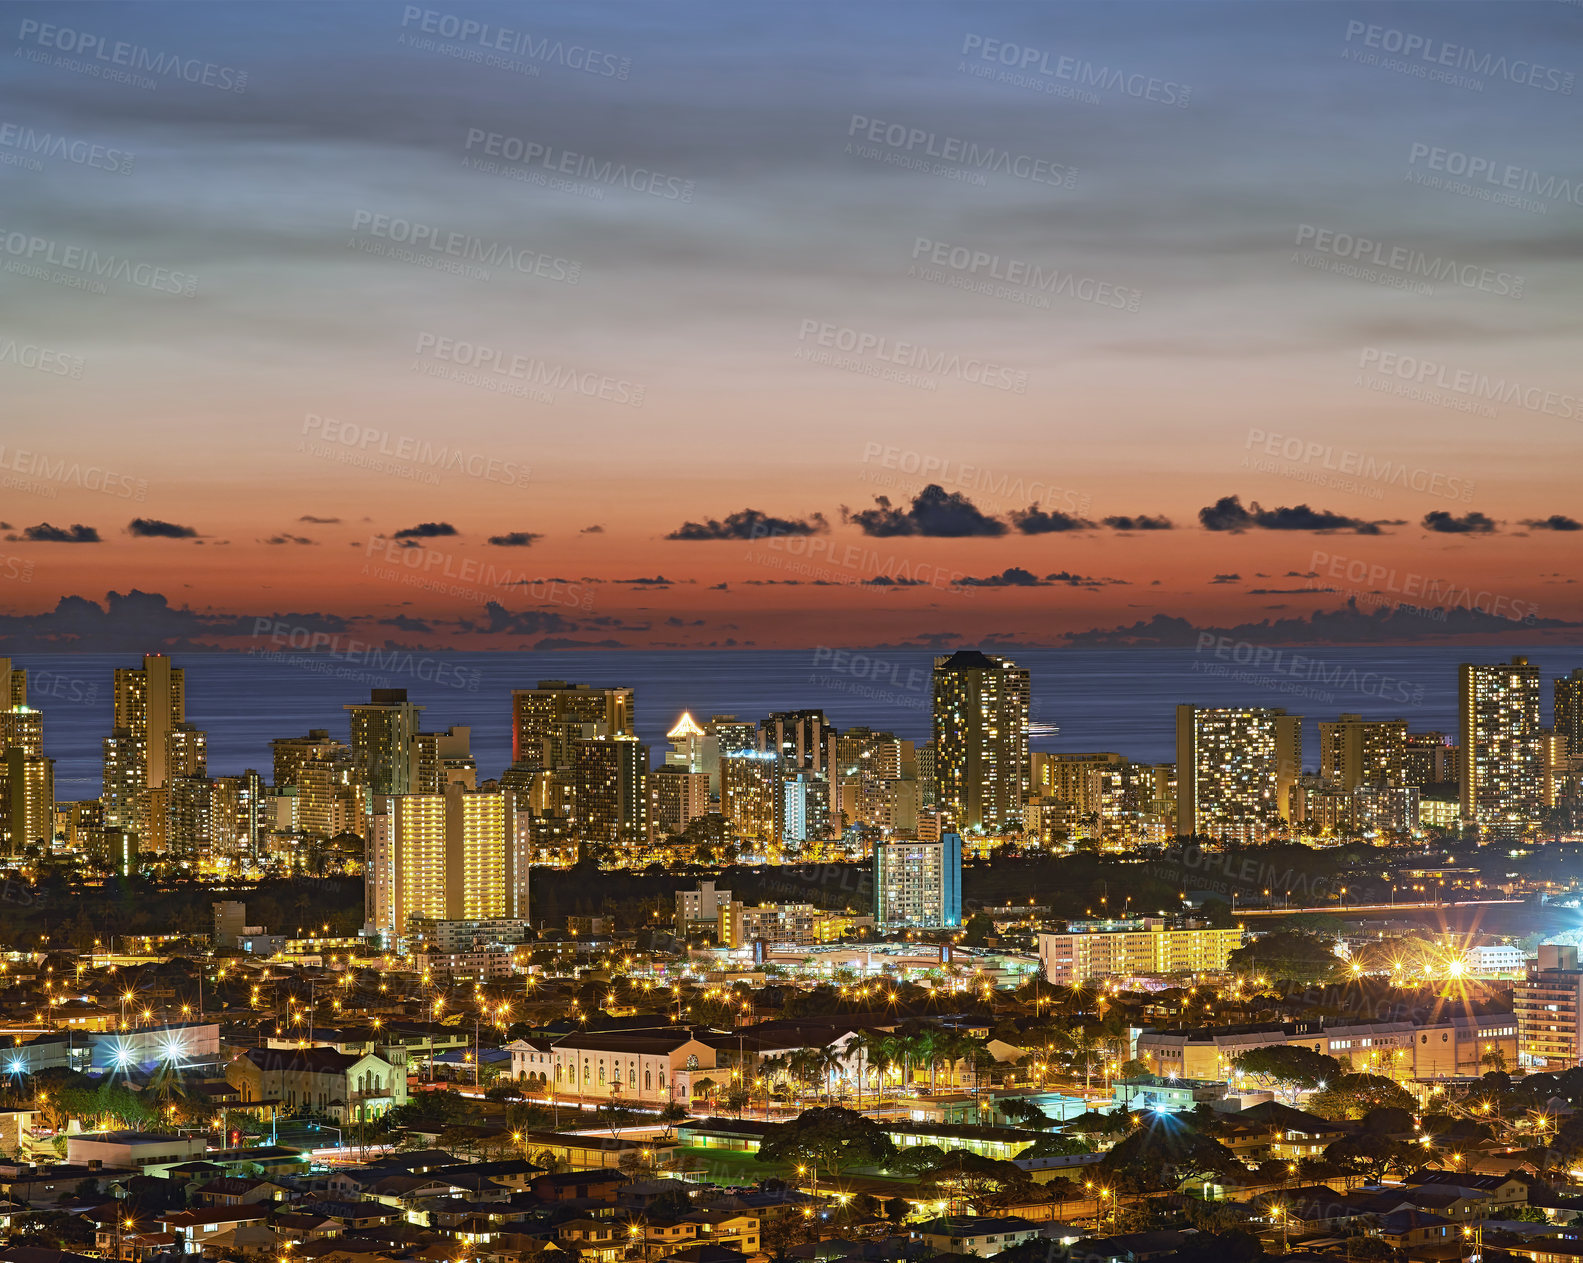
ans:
(465, 325)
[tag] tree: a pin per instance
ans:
(985, 1182)
(976, 930)
(1289, 1069)
(1055, 1146)
(1165, 1151)
(1371, 1155)
(896, 1210)
(1354, 1095)
(671, 1114)
(1025, 1113)
(831, 1137)
(1287, 956)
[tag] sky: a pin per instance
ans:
(515, 326)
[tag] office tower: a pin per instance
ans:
(149, 701)
(918, 883)
(27, 800)
(1235, 771)
(799, 738)
(125, 772)
(186, 751)
(1355, 751)
(547, 720)
(438, 758)
(382, 733)
(22, 728)
(610, 796)
(457, 856)
(805, 807)
(687, 745)
(1502, 776)
(13, 685)
(677, 796)
(1569, 711)
(1429, 758)
(981, 765)
(291, 752)
(750, 797)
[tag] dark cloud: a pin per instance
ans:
(1227, 578)
(1227, 514)
(934, 511)
(144, 621)
(886, 581)
(568, 642)
(499, 620)
(1011, 577)
(286, 539)
(403, 623)
(1288, 591)
(1555, 522)
(1470, 523)
(318, 521)
(1035, 521)
(750, 524)
(44, 533)
(426, 530)
(514, 539)
(153, 528)
(1082, 580)
(651, 581)
(1142, 522)
(595, 529)
(720, 587)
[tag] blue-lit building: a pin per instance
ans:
(918, 883)
(182, 1045)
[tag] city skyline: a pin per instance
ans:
(1151, 277)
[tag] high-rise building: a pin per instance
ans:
(1569, 711)
(610, 791)
(186, 751)
(687, 745)
(439, 758)
(1146, 946)
(805, 807)
(876, 780)
(1236, 768)
(677, 796)
(190, 817)
(383, 730)
(725, 735)
(547, 720)
(22, 728)
(750, 795)
(981, 767)
(1355, 751)
(1503, 778)
(457, 856)
(1548, 1005)
(1429, 758)
(918, 883)
(13, 685)
(149, 701)
(291, 752)
(27, 800)
(799, 738)
(125, 773)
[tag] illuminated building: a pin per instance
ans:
(186, 751)
(546, 721)
(1355, 751)
(750, 795)
(440, 758)
(383, 731)
(805, 807)
(725, 735)
(1569, 711)
(876, 780)
(190, 817)
(1549, 1008)
(291, 752)
(918, 883)
(1429, 758)
(27, 808)
(457, 856)
(330, 796)
(777, 923)
(981, 764)
(799, 738)
(13, 685)
(149, 701)
(677, 796)
(125, 770)
(687, 745)
(22, 728)
(1145, 947)
(1503, 777)
(1236, 769)
(610, 790)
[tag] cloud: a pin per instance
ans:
(1470, 523)
(403, 623)
(498, 620)
(1555, 522)
(426, 530)
(1011, 577)
(318, 521)
(750, 524)
(286, 539)
(1082, 580)
(1143, 522)
(651, 581)
(44, 533)
(1227, 514)
(934, 512)
(720, 587)
(886, 581)
(1227, 578)
(1035, 521)
(595, 529)
(514, 539)
(140, 621)
(1289, 591)
(153, 528)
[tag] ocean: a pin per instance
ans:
(1083, 699)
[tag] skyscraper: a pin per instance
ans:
(125, 781)
(1569, 711)
(799, 738)
(918, 883)
(750, 795)
(677, 796)
(382, 733)
(1355, 751)
(13, 685)
(1236, 769)
(1503, 776)
(687, 745)
(149, 701)
(27, 800)
(457, 856)
(22, 727)
(438, 758)
(610, 791)
(186, 751)
(546, 720)
(981, 765)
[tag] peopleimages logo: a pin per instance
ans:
(413, 240)
(911, 356)
(1437, 52)
(916, 142)
(1354, 464)
(1079, 72)
(1408, 261)
(117, 59)
(437, 458)
(532, 158)
(1487, 175)
(29, 144)
(34, 255)
(513, 43)
(1432, 375)
(1018, 274)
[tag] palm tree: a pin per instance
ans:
(926, 1044)
(871, 1050)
